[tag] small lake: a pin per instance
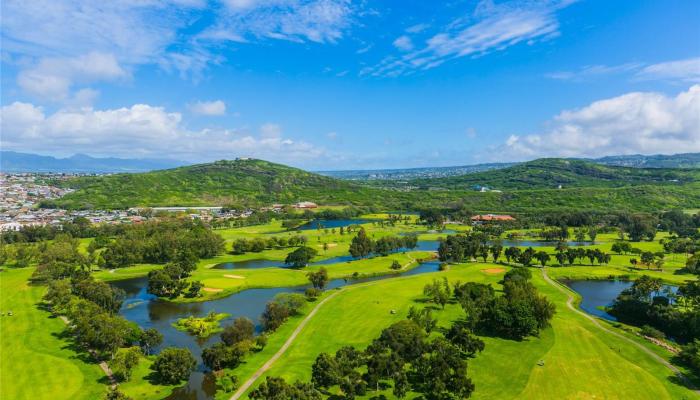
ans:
(600, 293)
(149, 312)
(332, 223)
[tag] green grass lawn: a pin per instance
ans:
(35, 362)
(581, 362)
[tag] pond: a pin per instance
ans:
(332, 223)
(150, 312)
(596, 294)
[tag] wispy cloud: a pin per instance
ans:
(685, 70)
(319, 21)
(492, 28)
(593, 71)
(65, 46)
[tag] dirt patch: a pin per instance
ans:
(493, 271)
(212, 290)
(234, 276)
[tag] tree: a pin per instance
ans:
(124, 362)
(592, 233)
(542, 257)
(361, 245)
(300, 257)
(275, 388)
(318, 279)
(324, 372)
(496, 250)
(174, 365)
(423, 318)
(442, 373)
(395, 265)
(150, 338)
(58, 295)
(461, 336)
(517, 274)
(241, 329)
(647, 258)
(220, 356)
(194, 289)
(438, 291)
(512, 253)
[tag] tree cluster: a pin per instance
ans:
(361, 245)
(161, 242)
(256, 245)
(520, 312)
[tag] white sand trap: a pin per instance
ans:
(212, 290)
(234, 276)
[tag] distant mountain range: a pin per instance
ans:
(11, 161)
(413, 173)
(687, 160)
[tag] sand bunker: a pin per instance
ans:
(330, 245)
(212, 290)
(493, 271)
(234, 276)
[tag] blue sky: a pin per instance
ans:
(334, 84)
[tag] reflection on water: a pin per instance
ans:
(600, 293)
(150, 312)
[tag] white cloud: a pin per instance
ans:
(638, 122)
(681, 70)
(319, 21)
(141, 131)
(216, 107)
(497, 27)
(403, 43)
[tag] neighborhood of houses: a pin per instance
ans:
(20, 195)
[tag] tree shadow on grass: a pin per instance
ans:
(688, 380)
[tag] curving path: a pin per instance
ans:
(250, 381)
(569, 304)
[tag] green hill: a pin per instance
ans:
(527, 187)
(553, 172)
(246, 182)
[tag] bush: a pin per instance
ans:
(652, 332)
(312, 293)
(227, 383)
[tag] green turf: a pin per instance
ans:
(36, 363)
(581, 362)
